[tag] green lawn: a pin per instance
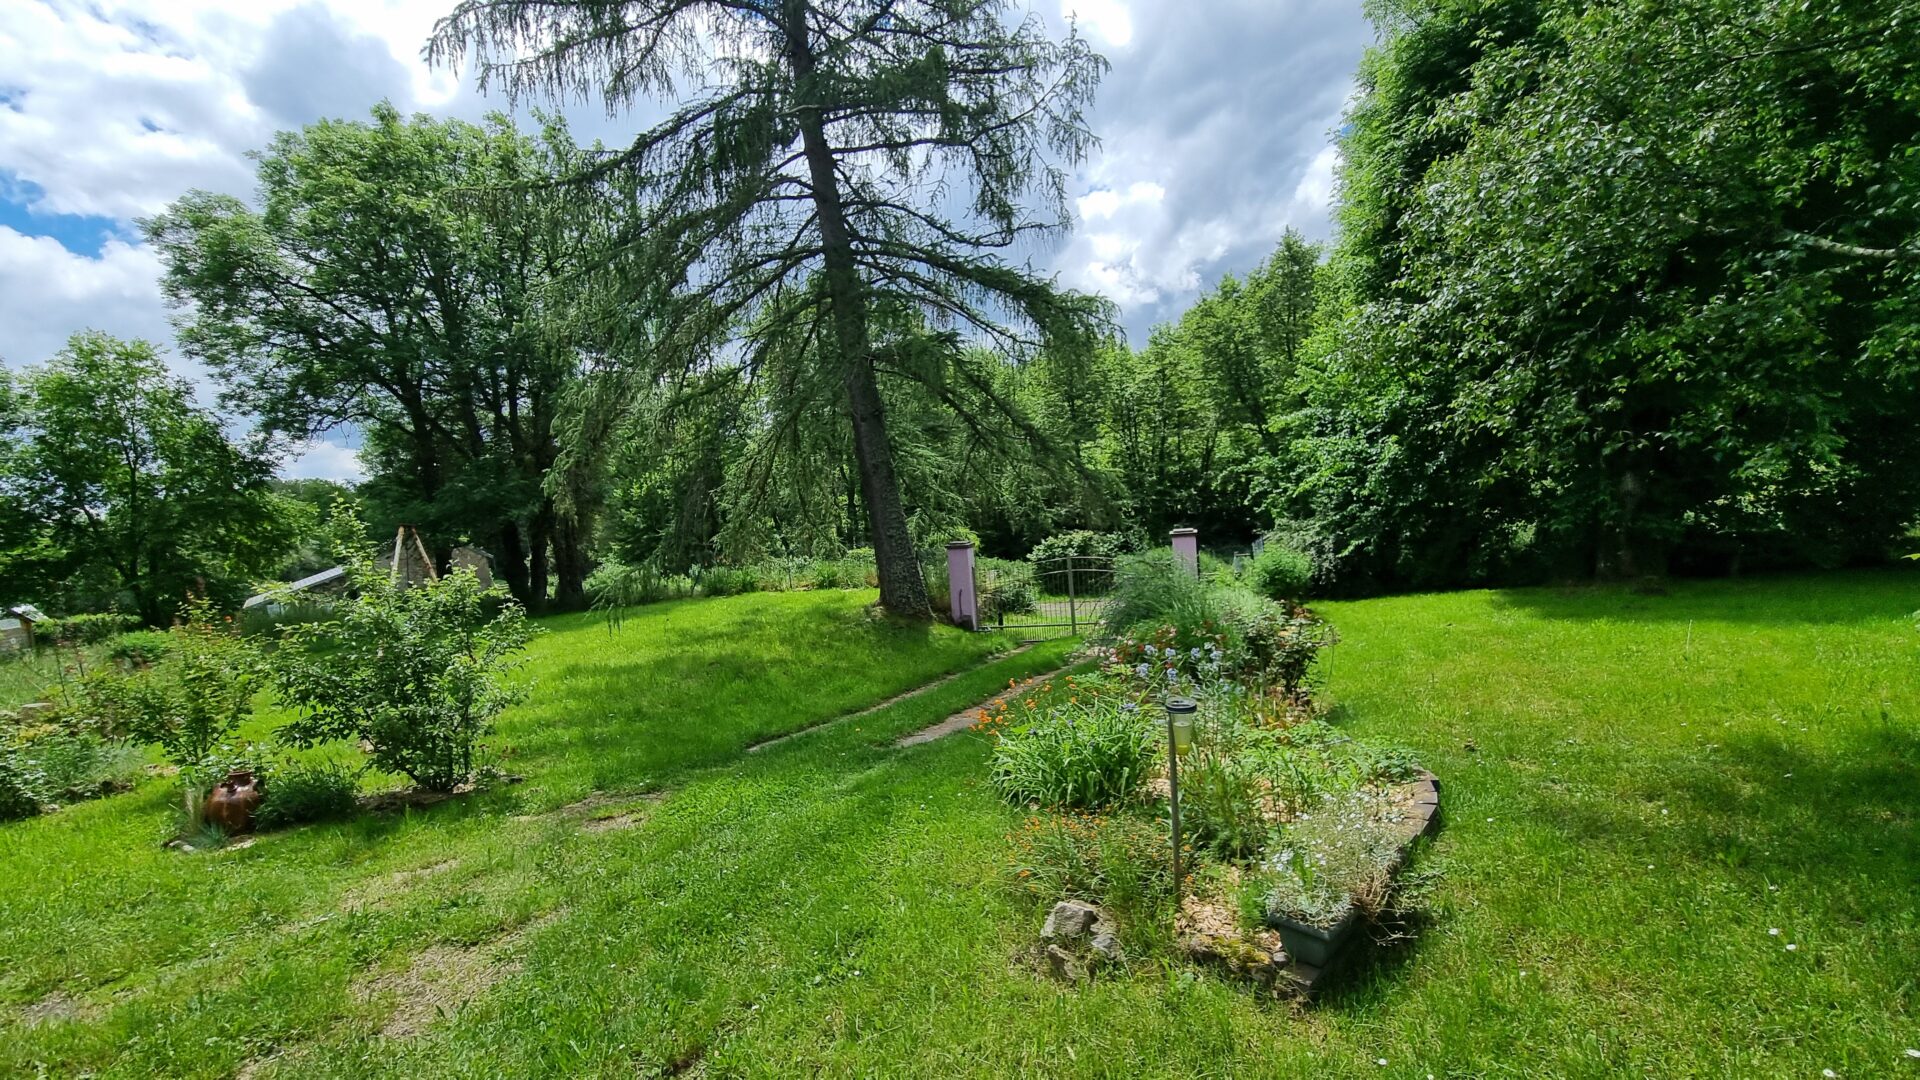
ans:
(1637, 789)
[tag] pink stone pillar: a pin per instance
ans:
(961, 594)
(1186, 549)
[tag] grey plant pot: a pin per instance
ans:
(1314, 945)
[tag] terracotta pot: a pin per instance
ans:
(234, 801)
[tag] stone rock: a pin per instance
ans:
(1070, 920)
(1106, 944)
(1061, 964)
(1234, 954)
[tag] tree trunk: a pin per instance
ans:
(510, 562)
(539, 536)
(569, 564)
(903, 591)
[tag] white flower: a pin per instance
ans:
(1773, 931)
(1379, 1061)
(1791, 947)
(1914, 1054)
(1828, 1072)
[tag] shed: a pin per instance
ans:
(16, 627)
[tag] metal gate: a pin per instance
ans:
(1070, 593)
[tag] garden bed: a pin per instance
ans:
(1294, 835)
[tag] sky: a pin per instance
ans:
(1215, 127)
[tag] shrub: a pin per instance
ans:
(1154, 589)
(1075, 755)
(1280, 572)
(192, 701)
(417, 673)
(1007, 588)
(1081, 542)
(80, 765)
(308, 791)
(140, 648)
(728, 581)
(1276, 645)
(613, 587)
(86, 629)
(23, 790)
(1120, 861)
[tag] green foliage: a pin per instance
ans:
(141, 648)
(1221, 804)
(1624, 287)
(23, 790)
(1119, 861)
(115, 487)
(193, 702)
(1083, 543)
(417, 673)
(427, 279)
(1280, 572)
(303, 792)
(1084, 756)
(80, 765)
(85, 629)
(728, 581)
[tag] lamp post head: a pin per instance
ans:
(1180, 723)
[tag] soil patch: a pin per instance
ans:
(440, 979)
(56, 1008)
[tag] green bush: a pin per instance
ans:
(728, 581)
(1081, 542)
(23, 790)
(1280, 572)
(199, 694)
(1276, 645)
(613, 586)
(80, 765)
(309, 791)
(416, 673)
(1154, 589)
(85, 629)
(1075, 755)
(140, 648)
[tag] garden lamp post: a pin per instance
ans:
(1179, 740)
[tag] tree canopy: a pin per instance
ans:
(840, 160)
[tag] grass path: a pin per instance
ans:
(871, 709)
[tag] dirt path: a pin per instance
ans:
(965, 718)
(894, 700)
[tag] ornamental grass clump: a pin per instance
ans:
(1078, 754)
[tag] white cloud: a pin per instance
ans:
(322, 459)
(1105, 202)
(47, 293)
(1110, 19)
(1314, 192)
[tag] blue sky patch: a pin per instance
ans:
(82, 234)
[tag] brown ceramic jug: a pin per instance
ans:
(233, 802)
